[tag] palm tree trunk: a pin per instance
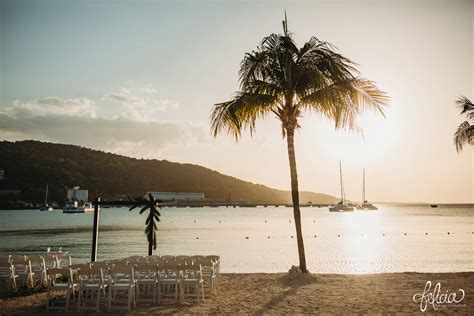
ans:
(295, 197)
(150, 248)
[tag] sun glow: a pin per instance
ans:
(365, 251)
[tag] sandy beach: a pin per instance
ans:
(260, 293)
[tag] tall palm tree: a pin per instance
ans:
(153, 216)
(282, 80)
(465, 132)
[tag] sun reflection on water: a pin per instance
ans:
(363, 244)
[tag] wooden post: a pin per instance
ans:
(95, 232)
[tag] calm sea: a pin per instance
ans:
(393, 239)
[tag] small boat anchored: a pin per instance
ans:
(77, 201)
(46, 207)
(341, 206)
(365, 206)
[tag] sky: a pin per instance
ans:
(140, 78)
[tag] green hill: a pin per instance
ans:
(29, 165)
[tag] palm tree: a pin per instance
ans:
(282, 80)
(153, 216)
(465, 131)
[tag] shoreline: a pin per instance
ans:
(283, 293)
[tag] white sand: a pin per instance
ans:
(297, 294)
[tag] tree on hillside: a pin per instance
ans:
(282, 80)
(465, 131)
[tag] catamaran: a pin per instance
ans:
(341, 206)
(45, 206)
(365, 206)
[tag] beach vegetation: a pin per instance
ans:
(465, 133)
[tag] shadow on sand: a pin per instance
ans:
(292, 282)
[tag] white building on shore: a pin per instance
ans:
(177, 196)
(76, 194)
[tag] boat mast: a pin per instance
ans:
(46, 195)
(340, 176)
(363, 185)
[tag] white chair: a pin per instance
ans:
(60, 280)
(183, 259)
(192, 283)
(23, 269)
(169, 281)
(38, 267)
(7, 275)
(50, 261)
(121, 284)
(104, 265)
(166, 258)
(91, 287)
(209, 274)
(63, 260)
(194, 258)
(217, 261)
(147, 282)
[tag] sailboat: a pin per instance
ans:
(46, 207)
(365, 206)
(341, 206)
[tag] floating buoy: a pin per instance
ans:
(265, 221)
(197, 237)
(291, 236)
(314, 221)
(246, 238)
(289, 221)
(195, 221)
(426, 233)
(338, 235)
(315, 236)
(219, 221)
(383, 234)
(268, 237)
(405, 234)
(448, 233)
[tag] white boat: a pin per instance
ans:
(75, 207)
(341, 206)
(365, 206)
(45, 207)
(77, 201)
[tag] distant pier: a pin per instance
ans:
(212, 203)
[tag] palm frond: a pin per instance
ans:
(344, 100)
(466, 106)
(241, 113)
(279, 78)
(463, 135)
(143, 209)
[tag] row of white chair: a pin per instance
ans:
(127, 282)
(19, 271)
(210, 265)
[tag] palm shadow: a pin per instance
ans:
(292, 282)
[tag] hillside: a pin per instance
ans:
(29, 165)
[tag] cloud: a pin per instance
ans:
(122, 136)
(141, 104)
(81, 107)
(131, 128)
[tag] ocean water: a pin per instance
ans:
(392, 239)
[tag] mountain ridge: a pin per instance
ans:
(29, 165)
